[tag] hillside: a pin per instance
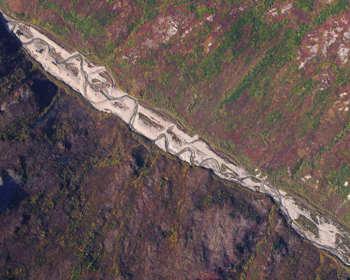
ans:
(92, 200)
(265, 81)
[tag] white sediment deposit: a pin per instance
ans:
(97, 85)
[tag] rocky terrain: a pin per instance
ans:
(88, 199)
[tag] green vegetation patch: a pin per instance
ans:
(331, 10)
(307, 224)
(217, 197)
(262, 72)
(211, 65)
(305, 5)
(89, 25)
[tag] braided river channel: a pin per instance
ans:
(97, 86)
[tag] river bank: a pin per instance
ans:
(97, 86)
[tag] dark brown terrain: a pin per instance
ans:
(262, 80)
(82, 197)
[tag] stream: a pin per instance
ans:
(97, 86)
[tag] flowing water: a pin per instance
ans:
(97, 86)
